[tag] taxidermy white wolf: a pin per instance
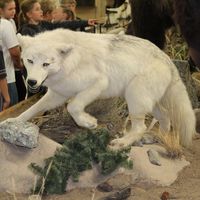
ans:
(84, 67)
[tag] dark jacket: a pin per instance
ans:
(32, 29)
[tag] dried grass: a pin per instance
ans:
(176, 46)
(170, 141)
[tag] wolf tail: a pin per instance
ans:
(180, 111)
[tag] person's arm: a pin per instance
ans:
(11, 43)
(3, 83)
(73, 25)
(5, 93)
(16, 57)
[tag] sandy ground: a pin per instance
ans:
(186, 187)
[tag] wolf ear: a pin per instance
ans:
(24, 41)
(65, 49)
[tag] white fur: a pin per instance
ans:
(89, 66)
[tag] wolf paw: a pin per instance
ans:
(118, 144)
(87, 121)
(125, 141)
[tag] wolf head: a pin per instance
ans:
(42, 59)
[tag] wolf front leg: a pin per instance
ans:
(77, 105)
(49, 101)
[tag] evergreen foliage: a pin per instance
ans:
(75, 156)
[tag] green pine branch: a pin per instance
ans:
(77, 155)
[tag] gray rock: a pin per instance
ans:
(153, 157)
(148, 139)
(20, 133)
(184, 71)
(138, 144)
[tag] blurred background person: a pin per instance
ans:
(48, 7)
(31, 20)
(62, 14)
(10, 46)
(8, 11)
(71, 5)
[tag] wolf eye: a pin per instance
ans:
(30, 61)
(45, 64)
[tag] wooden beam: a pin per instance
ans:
(17, 109)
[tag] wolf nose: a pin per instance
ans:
(32, 82)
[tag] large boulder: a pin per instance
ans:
(19, 133)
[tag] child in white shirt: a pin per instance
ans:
(10, 45)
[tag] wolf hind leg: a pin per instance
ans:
(141, 95)
(140, 102)
(161, 114)
(81, 100)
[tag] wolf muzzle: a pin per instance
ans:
(31, 82)
(32, 86)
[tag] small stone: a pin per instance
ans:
(154, 157)
(138, 144)
(165, 196)
(105, 187)
(110, 126)
(19, 133)
(148, 139)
